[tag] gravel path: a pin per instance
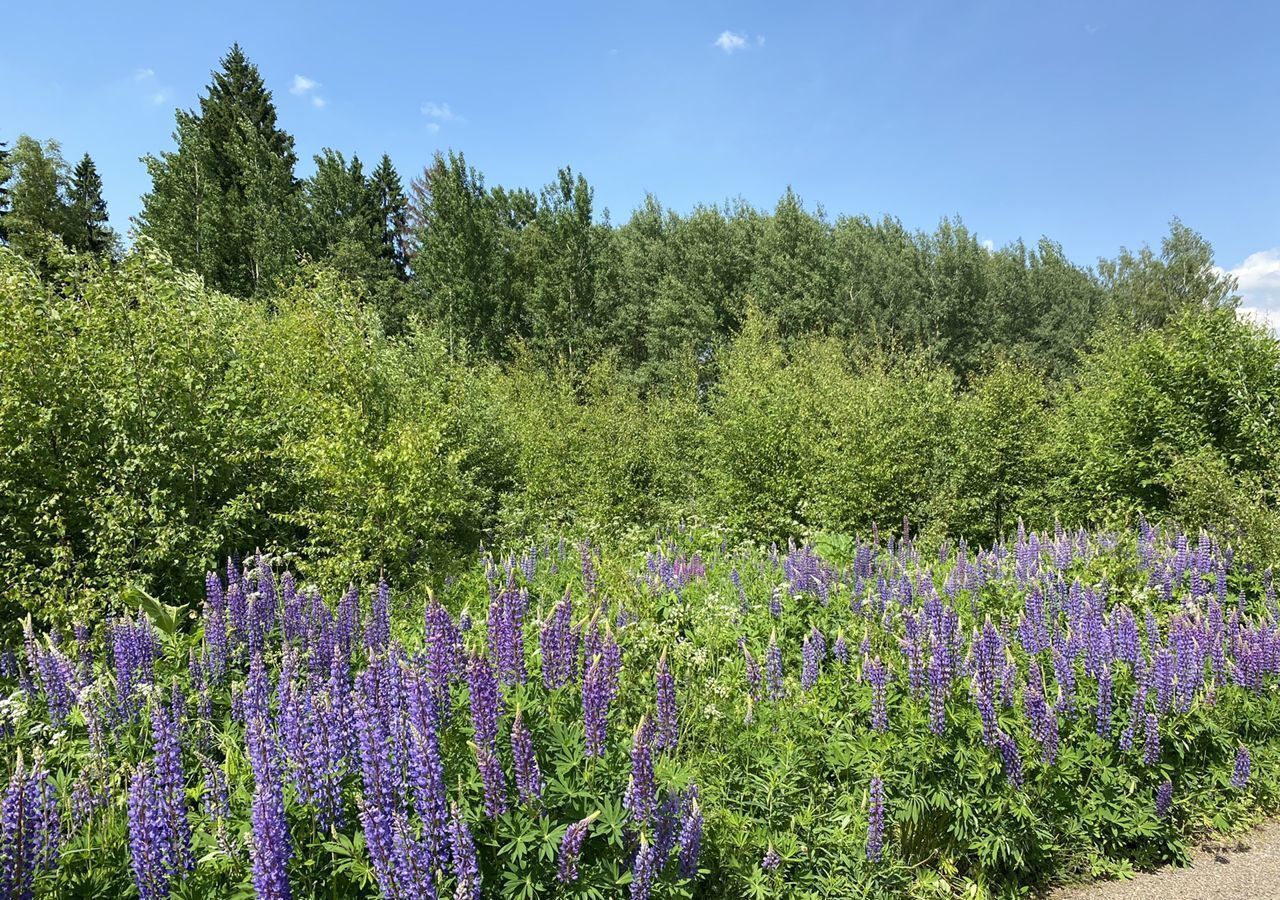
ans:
(1247, 868)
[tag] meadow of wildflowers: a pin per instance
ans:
(857, 718)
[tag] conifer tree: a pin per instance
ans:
(392, 212)
(87, 227)
(225, 202)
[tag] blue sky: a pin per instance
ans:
(1093, 123)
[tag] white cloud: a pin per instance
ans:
(433, 127)
(144, 74)
(319, 102)
(1258, 280)
(302, 84)
(729, 41)
(440, 111)
(159, 97)
(989, 246)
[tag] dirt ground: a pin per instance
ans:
(1244, 868)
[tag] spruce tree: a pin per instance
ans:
(87, 227)
(393, 209)
(225, 202)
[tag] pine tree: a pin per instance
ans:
(87, 227)
(225, 203)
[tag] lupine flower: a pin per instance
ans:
(1011, 759)
(644, 868)
(1240, 774)
(528, 775)
(772, 861)
(875, 820)
(641, 796)
(1164, 799)
(466, 865)
(667, 728)
(754, 678)
(30, 832)
(494, 779)
(773, 668)
(1151, 741)
(426, 769)
(571, 849)
(1103, 718)
(876, 674)
(690, 843)
(486, 701)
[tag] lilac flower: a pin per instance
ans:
(571, 849)
(466, 865)
(641, 796)
(528, 775)
(667, 730)
(1240, 775)
(1164, 799)
(875, 820)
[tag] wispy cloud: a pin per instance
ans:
(306, 87)
(733, 41)
(441, 112)
(433, 127)
(144, 74)
(1258, 280)
(160, 96)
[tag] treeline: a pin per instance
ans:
(190, 424)
(504, 271)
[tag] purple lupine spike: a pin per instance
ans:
(377, 632)
(1103, 715)
(1164, 799)
(938, 689)
(690, 842)
(1010, 758)
(875, 820)
(876, 674)
(170, 785)
(667, 716)
(811, 661)
(426, 767)
(1240, 774)
(529, 781)
(754, 678)
(494, 780)
(30, 829)
(571, 849)
(466, 864)
(771, 861)
(841, 650)
(556, 645)
(773, 668)
(486, 701)
(595, 709)
(1151, 741)
(641, 796)
(147, 851)
(644, 869)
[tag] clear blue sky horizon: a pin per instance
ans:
(1091, 123)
